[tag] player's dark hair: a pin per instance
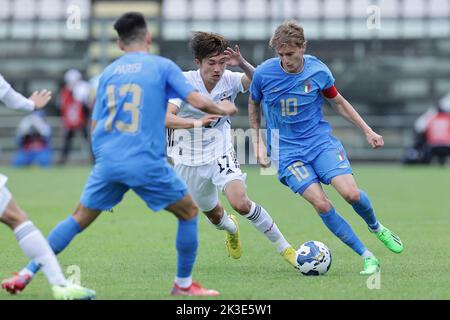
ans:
(289, 32)
(207, 44)
(131, 27)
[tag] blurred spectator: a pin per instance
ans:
(33, 138)
(75, 106)
(432, 138)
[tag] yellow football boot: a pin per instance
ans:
(233, 241)
(290, 256)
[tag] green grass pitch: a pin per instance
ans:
(130, 253)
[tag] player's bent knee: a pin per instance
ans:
(5, 199)
(13, 216)
(322, 206)
(189, 212)
(242, 206)
(352, 196)
(184, 209)
(192, 212)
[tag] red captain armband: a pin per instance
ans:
(330, 93)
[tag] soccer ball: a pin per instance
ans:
(313, 258)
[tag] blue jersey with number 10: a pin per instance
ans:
(292, 105)
(130, 110)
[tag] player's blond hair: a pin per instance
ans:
(289, 32)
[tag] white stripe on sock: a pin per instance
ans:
(262, 221)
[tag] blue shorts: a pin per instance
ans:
(331, 162)
(103, 193)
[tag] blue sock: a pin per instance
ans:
(187, 244)
(365, 210)
(342, 230)
(59, 238)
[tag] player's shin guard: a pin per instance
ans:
(262, 221)
(36, 247)
(341, 229)
(58, 239)
(187, 244)
(364, 208)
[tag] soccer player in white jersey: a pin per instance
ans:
(30, 239)
(204, 156)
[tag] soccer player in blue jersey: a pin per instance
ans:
(128, 141)
(291, 88)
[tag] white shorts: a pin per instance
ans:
(5, 195)
(204, 181)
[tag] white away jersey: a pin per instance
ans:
(199, 146)
(13, 99)
(4, 87)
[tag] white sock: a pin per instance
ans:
(226, 224)
(377, 229)
(25, 271)
(183, 282)
(262, 221)
(36, 248)
(367, 254)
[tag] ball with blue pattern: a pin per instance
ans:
(313, 258)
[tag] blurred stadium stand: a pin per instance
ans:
(391, 74)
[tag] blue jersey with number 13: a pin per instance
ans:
(130, 113)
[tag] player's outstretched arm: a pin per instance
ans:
(40, 98)
(15, 100)
(175, 122)
(205, 104)
(235, 59)
(345, 109)
(254, 117)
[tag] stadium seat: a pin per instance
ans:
(358, 8)
(23, 9)
(229, 9)
(414, 8)
(390, 8)
(6, 9)
(51, 9)
(113, 9)
(439, 8)
(255, 9)
(203, 9)
(335, 9)
(309, 9)
(175, 9)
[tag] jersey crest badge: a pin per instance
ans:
(307, 86)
